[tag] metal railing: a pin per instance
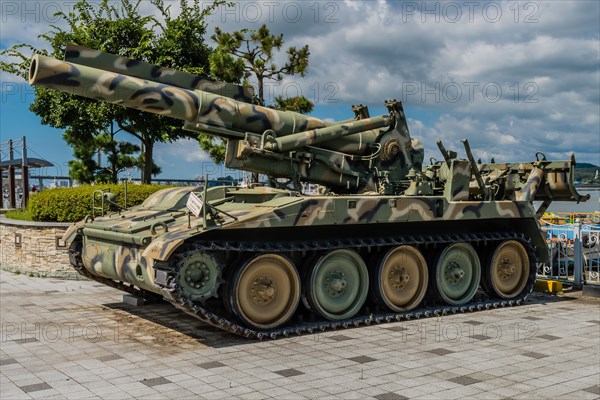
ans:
(574, 252)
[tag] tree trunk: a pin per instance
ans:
(147, 171)
(112, 157)
(113, 172)
(261, 91)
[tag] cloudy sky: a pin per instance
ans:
(514, 77)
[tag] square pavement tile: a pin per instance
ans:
(35, 388)
(593, 389)
(548, 337)
(464, 380)
(390, 396)
(289, 372)
(109, 357)
(155, 381)
(340, 338)
(440, 351)
(211, 364)
(535, 355)
(25, 340)
(8, 361)
(396, 329)
(362, 359)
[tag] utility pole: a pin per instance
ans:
(24, 173)
(12, 199)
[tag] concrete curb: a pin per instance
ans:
(591, 291)
(37, 224)
(66, 275)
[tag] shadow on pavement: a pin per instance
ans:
(167, 316)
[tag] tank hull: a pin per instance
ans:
(147, 247)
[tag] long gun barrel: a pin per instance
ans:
(139, 69)
(194, 106)
(319, 135)
(261, 139)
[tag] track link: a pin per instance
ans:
(170, 290)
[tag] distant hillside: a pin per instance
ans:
(586, 172)
(586, 165)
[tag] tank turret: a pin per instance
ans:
(350, 156)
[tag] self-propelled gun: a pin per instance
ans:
(389, 237)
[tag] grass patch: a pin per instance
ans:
(22, 215)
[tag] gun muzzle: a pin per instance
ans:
(114, 88)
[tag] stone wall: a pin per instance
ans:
(35, 249)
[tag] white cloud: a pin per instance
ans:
(181, 150)
(507, 139)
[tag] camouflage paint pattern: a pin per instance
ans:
(114, 88)
(139, 69)
(154, 97)
(168, 199)
(153, 89)
(456, 187)
(556, 182)
(119, 257)
(308, 138)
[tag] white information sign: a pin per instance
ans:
(195, 204)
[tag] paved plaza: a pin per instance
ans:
(77, 339)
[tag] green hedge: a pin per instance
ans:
(73, 204)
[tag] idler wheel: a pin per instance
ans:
(457, 273)
(400, 278)
(507, 270)
(337, 284)
(199, 276)
(265, 291)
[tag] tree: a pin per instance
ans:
(89, 129)
(249, 53)
(298, 103)
(119, 155)
(118, 28)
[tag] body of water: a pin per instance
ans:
(593, 204)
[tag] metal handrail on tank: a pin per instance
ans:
(100, 195)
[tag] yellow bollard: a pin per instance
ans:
(542, 285)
